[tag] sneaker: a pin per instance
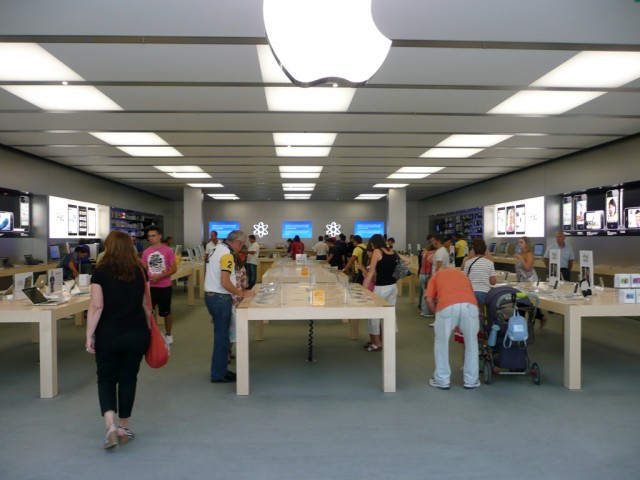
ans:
(432, 324)
(433, 383)
(169, 339)
(471, 386)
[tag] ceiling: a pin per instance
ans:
(189, 72)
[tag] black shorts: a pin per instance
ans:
(162, 298)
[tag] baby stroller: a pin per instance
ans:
(506, 357)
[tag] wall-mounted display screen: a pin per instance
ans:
(72, 219)
(523, 217)
(223, 228)
(368, 229)
(604, 211)
(15, 213)
(302, 229)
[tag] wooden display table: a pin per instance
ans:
(21, 311)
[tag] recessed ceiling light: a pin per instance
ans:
(300, 175)
(313, 139)
(482, 141)
(408, 176)
(65, 98)
(301, 187)
(297, 196)
(295, 99)
(31, 62)
(370, 196)
(223, 196)
(151, 151)
(178, 168)
(300, 168)
(594, 70)
(450, 152)
(269, 68)
(205, 185)
(390, 185)
(290, 151)
(189, 175)
(543, 102)
(129, 138)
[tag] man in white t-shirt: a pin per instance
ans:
(321, 249)
(252, 261)
(212, 244)
(441, 259)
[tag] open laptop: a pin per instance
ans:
(38, 299)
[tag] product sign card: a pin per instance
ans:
(54, 280)
(586, 267)
(554, 265)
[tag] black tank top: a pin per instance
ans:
(385, 268)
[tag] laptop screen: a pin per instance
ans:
(34, 295)
(538, 249)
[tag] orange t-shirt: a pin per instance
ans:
(450, 286)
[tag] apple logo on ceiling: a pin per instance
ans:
(325, 40)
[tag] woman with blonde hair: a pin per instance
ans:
(118, 333)
(524, 266)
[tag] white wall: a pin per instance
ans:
(617, 162)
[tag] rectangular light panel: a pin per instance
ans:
(64, 97)
(151, 151)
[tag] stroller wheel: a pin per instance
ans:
(487, 371)
(535, 372)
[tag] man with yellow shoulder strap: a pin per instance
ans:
(358, 257)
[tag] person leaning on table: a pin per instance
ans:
(117, 333)
(220, 285)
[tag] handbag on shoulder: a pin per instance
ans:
(158, 352)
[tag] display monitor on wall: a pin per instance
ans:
(368, 229)
(223, 228)
(15, 213)
(54, 251)
(521, 217)
(303, 229)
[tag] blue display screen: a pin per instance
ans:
(223, 228)
(368, 229)
(302, 229)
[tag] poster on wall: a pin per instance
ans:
(519, 218)
(610, 211)
(73, 219)
(223, 228)
(368, 229)
(301, 229)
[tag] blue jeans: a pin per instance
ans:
(252, 273)
(219, 306)
(424, 281)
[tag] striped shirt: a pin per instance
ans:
(482, 270)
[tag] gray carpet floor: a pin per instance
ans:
(328, 419)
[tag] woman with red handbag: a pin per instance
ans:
(117, 333)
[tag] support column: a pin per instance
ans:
(397, 217)
(193, 228)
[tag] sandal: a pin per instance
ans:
(126, 437)
(110, 439)
(367, 345)
(374, 348)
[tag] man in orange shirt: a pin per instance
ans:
(450, 295)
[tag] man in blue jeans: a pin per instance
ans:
(219, 285)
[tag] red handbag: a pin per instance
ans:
(158, 353)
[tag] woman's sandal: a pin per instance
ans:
(374, 348)
(110, 439)
(126, 437)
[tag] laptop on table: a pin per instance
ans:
(36, 297)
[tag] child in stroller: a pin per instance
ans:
(505, 357)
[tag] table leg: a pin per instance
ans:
(260, 329)
(48, 358)
(79, 318)
(389, 350)
(354, 331)
(412, 288)
(191, 286)
(201, 281)
(400, 284)
(242, 351)
(573, 350)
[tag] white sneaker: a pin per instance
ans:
(432, 324)
(470, 386)
(433, 383)
(168, 339)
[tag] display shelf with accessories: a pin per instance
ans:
(132, 222)
(468, 222)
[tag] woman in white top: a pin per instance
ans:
(524, 266)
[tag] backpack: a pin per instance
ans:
(517, 330)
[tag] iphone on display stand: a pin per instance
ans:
(613, 208)
(82, 220)
(520, 219)
(501, 221)
(580, 208)
(567, 213)
(632, 217)
(72, 219)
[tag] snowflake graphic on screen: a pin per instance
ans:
(261, 230)
(333, 229)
